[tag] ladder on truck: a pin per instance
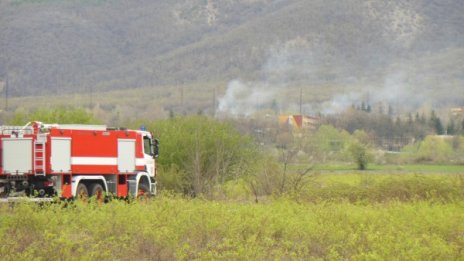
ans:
(39, 157)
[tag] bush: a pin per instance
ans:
(328, 143)
(197, 153)
(267, 178)
(433, 149)
(360, 154)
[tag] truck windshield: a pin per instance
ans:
(147, 148)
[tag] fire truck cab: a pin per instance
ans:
(45, 160)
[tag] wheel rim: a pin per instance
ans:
(143, 193)
(82, 193)
(99, 194)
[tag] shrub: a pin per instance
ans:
(360, 154)
(328, 143)
(433, 149)
(198, 152)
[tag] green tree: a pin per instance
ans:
(360, 154)
(328, 143)
(362, 137)
(198, 153)
(451, 128)
(431, 149)
(434, 149)
(462, 128)
(63, 115)
(436, 124)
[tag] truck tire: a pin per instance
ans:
(97, 191)
(82, 193)
(144, 191)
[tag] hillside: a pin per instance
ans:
(52, 46)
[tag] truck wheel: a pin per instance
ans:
(82, 193)
(96, 189)
(144, 191)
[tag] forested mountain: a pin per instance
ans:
(53, 46)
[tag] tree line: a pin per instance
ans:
(201, 155)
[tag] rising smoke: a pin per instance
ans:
(290, 63)
(396, 91)
(244, 99)
(407, 84)
(286, 62)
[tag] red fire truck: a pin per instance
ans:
(45, 160)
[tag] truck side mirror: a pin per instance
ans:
(156, 148)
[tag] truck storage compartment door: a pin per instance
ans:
(126, 155)
(17, 155)
(61, 155)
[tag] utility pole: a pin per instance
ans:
(182, 99)
(301, 101)
(6, 93)
(91, 96)
(214, 103)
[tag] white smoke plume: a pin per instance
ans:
(244, 99)
(405, 85)
(340, 103)
(288, 60)
(396, 90)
